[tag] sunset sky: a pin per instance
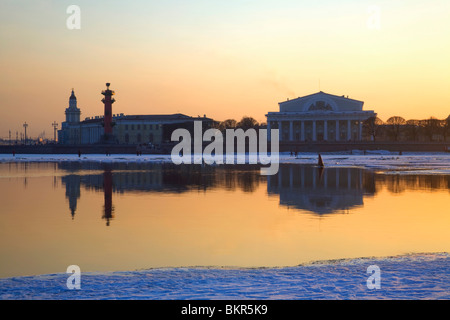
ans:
(225, 59)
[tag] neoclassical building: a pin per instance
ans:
(126, 129)
(319, 117)
(331, 190)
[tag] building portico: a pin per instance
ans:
(319, 117)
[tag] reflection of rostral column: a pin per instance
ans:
(107, 189)
(107, 120)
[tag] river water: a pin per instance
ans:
(131, 216)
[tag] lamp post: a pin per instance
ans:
(55, 127)
(25, 125)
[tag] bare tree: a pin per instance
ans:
(447, 128)
(413, 129)
(431, 127)
(247, 123)
(227, 124)
(395, 124)
(371, 126)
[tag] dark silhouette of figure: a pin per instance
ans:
(79, 153)
(320, 162)
(14, 153)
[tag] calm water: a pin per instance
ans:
(133, 216)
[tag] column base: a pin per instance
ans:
(108, 138)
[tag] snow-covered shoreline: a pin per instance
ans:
(393, 162)
(412, 276)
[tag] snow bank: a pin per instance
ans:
(425, 163)
(417, 163)
(419, 276)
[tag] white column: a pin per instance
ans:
(291, 130)
(314, 137)
(349, 130)
(280, 130)
(325, 130)
(337, 178)
(349, 179)
(291, 177)
(314, 177)
(337, 130)
(302, 176)
(360, 179)
(360, 130)
(302, 130)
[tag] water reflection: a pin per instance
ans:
(108, 209)
(72, 182)
(397, 183)
(175, 216)
(141, 178)
(301, 187)
(321, 190)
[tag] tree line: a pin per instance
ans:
(396, 128)
(245, 123)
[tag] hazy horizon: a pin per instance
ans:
(223, 59)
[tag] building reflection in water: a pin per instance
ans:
(306, 188)
(72, 182)
(321, 190)
(144, 178)
(108, 209)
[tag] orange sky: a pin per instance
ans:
(223, 59)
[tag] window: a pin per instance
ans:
(126, 127)
(151, 127)
(144, 127)
(139, 127)
(132, 127)
(127, 138)
(320, 105)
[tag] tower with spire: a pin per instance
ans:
(73, 112)
(70, 132)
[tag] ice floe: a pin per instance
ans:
(415, 276)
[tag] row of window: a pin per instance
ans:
(138, 126)
(140, 138)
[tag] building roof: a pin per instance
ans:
(331, 103)
(177, 117)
